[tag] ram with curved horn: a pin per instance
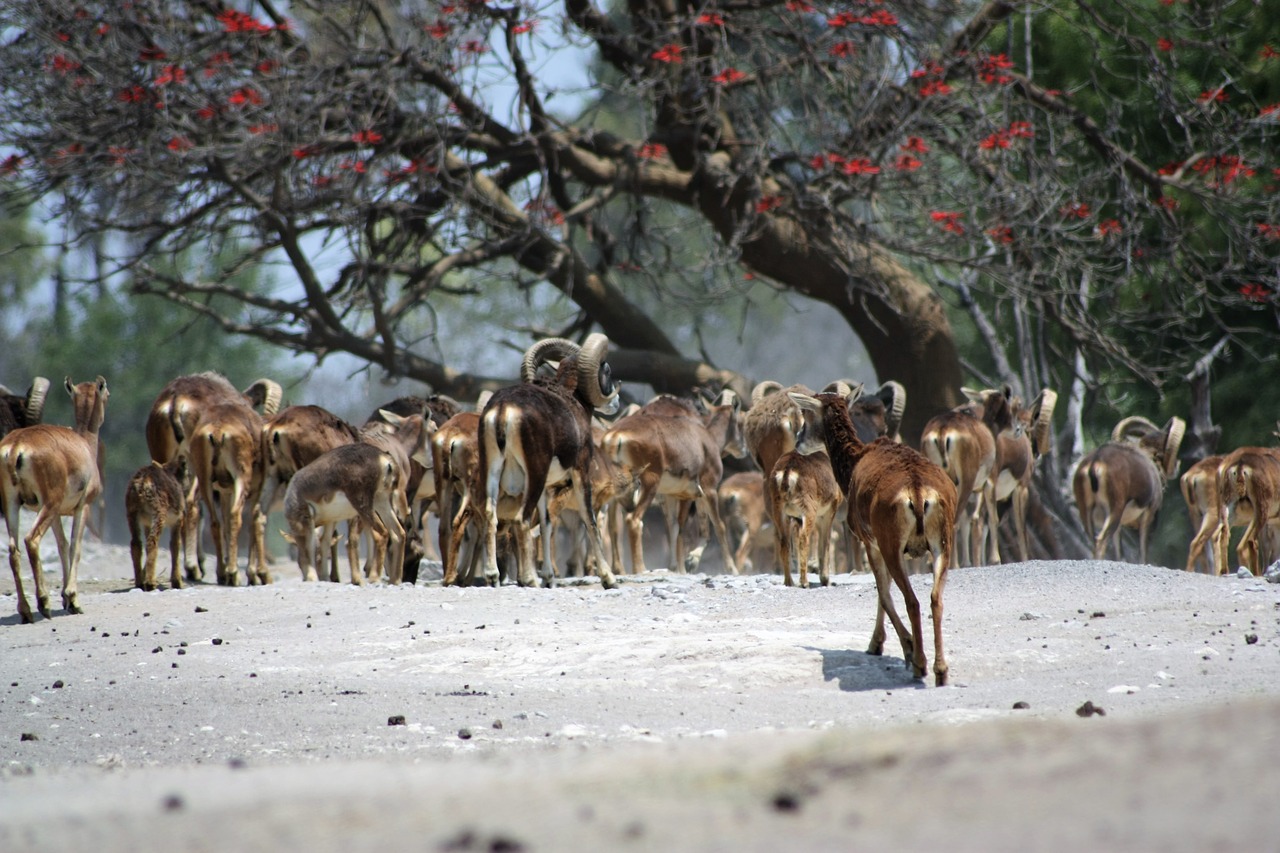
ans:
(1121, 483)
(1248, 481)
(876, 414)
(22, 410)
(536, 434)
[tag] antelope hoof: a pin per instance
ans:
(876, 648)
(71, 604)
(25, 617)
(43, 606)
(940, 677)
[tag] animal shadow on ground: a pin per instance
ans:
(856, 671)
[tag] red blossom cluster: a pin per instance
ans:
(1109, 226)
(932, 74)
(1268, 231)
(992, 68)
(711, 19)
(799, 6)
(1164, 44)
(1224, 169)
(948, 220)
(878, 18)
(1218, 96)
(1001, 234)
(768, 203)
(1255, 292)
(1003, 138)
(729, 75)
(242, 22)
(669, 53)
(547, 211)
(1075, 210)
(174, 74)
(841, 49)
(652, 151)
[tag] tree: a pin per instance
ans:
(874, 156)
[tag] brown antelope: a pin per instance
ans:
(804, 496)
(156, 498)
(899, 503)
(455, 452)
(1199, 485)
(1248, 484)
(53, 470)
(742, 506)
(538, 434)
(175, 415)
(679, 458)
(963, 444)
(293, 438)
(1121, 484)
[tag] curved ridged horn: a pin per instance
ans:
(544, 350)
(595, 377)
(1134, 426)
(1042, 421)
(894, 395)
(35, 399)
(482, 399)
(267, 394)
(764, 389)
(1173, 432)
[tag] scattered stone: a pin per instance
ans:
(26, 736)
(200, 609)
(497, 724)
(1097, 614)
(173, 803)
(1243, 572)
(787, 802)
(1251, 639)
(217, 641)
(396, 720)
(464, 734)
(1088, 709)
(58, 685)
(1021, 705)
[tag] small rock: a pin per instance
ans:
(200, 609)
(1088, 709)
(464, 734)
(57, 685)
(1251, 639)
(217, 641)
(1243, 572)
(26, 736)
(396, 720)
(1021, 706)
(787, 802)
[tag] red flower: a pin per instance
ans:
(246, 96)
(320, 181)
(669, 53)
(366, 137)
(768, 203)
(1021, 130)
(860, 166)
(879, 18)
(1267, 231)
(1270, 110)
(841, 49)
(948, 220)
(63, 65)
(258, 129)
(152, 54)
(1167, 202)
(1002, 234)
(215, 61)
(207, 112)
(1109, 226)
(304, 151)
(916, 145)
(711, 19)
(999, 139)
(266, 66)
(1255, 292)
(475, 46)
(1268, 52)
(172, 74)
(1075, 210)
(119, 154)
(651, 151)
(439, 30)
(525, 26)
(991, 69)
(352, 166)
(907, 163)
(798, 6)
(729, 75)
(180, 144)
(132, 95)
(935, 87)
(11, 165)
(1216, 95)
(1164, 44)
(842, 20)
(241, 22)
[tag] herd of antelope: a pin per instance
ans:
(541, 455)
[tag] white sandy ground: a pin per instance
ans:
(674, 713)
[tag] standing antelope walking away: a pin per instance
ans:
(1121, 484)
(53, 470)
(804, 496)
(899, 503)
(742, 506)
(537, 434)
(156, 498)
(1200, 492)
(1248, 484)
(678, 457)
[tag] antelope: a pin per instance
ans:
(964, 445)
(173, 419)
(804, 496)
(1016, 454)
(1121, 483)
(679, 458)
(742, 506)
(1199, 485)
(899, 503)
(538, 434)
(1248, 482)
(53, 470)
(18, 410)
(455, 453)
(156, 498)
(293, 438)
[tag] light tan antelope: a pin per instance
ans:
(1121, 483)
(804, 497)
(678, 458)
(1248, 484)
(156, 498)
(899, 504)
(54, 471)
(742, 506)
(1200, 492)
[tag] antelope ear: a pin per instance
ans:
(391, 417)
(69, 385)
(804, 401)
